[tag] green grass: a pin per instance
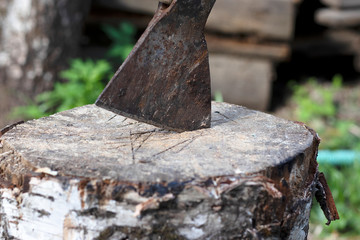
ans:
(343, 182)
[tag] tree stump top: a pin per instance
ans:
(95, 143)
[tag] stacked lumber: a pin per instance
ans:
(340, 13)
(343, 19)
(246, 38)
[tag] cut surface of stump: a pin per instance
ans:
(91, 174)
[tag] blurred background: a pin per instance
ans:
(297, 59)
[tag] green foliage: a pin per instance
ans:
(218, 97)
(343, 182)
(315, 101)
(123, 38)
(316, 106)
(338, 135)
(84, 84)
(31, 111)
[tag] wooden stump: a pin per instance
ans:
(89, 174)
(338, 18)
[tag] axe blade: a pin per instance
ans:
(165, 81)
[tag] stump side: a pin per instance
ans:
(108, 177)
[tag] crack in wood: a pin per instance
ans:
(132, 147)
(148, 159)
(169, 148)
(126, 125)
(188, 143)
(118, 146)
(120, 138)
(111, 118)
(146, 132)
(223, 115)
(140, 134)
(144, 140)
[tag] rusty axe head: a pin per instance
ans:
(165, 81)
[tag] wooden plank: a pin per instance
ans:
(231, 46)
(342, 3)
(245, 46)
(263, 18)
(87, 173)
(348, 39)
(241, 80)
(338, 18)
(330, 43)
